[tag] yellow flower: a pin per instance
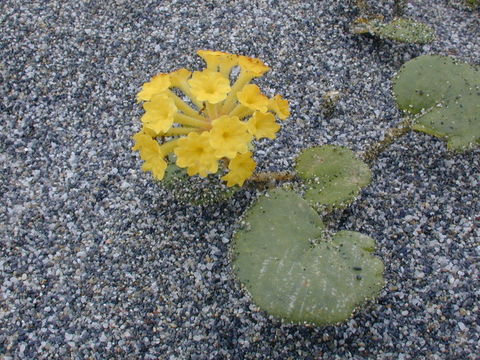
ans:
(209, 86)
(254, 67)
(251, 96)
(263, 125)
(141, 139)
(156, 166)
(280, 106)
(217, 60)
(157, 85)
(229, 136)
(211, 126)
(159, 113)
(249, 68)
(195, 153)
(151, 152)
(150, 149)
(241, 168)
(179, 77)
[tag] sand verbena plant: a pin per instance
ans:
(206, 123)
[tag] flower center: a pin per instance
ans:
(210, 89)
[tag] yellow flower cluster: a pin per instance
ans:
(215, 125)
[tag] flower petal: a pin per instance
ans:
(157, 85)
(241, 168)
(219, 61)
(263, 125)
(159, 113)
(252, 66)
(195, 153)
(251, 96)
(229, 136)
(209, 86)
(280, 106)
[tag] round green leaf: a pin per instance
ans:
(294, 272)
(333, 174)
(445, 96)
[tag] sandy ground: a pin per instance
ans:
(98, 261)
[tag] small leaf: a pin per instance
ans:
(196, 190)
(445, 96)
(405, 30)
(400, 29)
(174, 175)
(333, 174)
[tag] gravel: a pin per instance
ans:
(98, 261)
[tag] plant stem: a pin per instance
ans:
(229, 103)
(369, 156)
(399, 7)
(269, 176)
(190, 121)
(180, 131)
(392, 135)
(363, 7)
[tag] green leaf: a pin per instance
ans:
(405, 30)
(294, 271)
(445, 97)
(333, 174)
(196, 190)
(400, 29)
